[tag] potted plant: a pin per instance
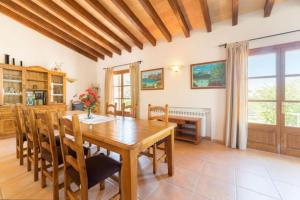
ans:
(89, 100)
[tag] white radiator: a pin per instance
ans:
(203, 113)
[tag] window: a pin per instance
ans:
(262, 81)
(121, 88)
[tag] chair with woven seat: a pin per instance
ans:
(161, 114)
(21, 139)
(32, 141)
(85, 173)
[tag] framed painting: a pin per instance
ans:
(208, 75)
(152, 79)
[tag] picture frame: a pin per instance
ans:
(152, 79)
(208, 75)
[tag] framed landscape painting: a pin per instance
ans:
(152, 79)
(208, 75)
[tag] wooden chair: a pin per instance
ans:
(21, 139)
(85, 173)
(128, 111)
(51, 155)
(161, 114)
(32, 141)
(111, 109)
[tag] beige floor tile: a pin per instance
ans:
(183, 178)
(257, 183)
(207, 171)
(167, 191)
(219, 172)
(197, 196)
(244, 194)
(215, 189)
(288, 191)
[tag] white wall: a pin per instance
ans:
(33, 48)
(203, 47)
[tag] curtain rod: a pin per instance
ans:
(267, 36)
(139, 61)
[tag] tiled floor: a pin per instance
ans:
(204, 172)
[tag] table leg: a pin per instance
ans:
(129, 175)
(170, 153)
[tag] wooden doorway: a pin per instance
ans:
(274, 99)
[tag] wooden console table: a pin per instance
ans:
(188, 128)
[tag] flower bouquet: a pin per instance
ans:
(89, 100)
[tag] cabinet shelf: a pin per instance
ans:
(57, 84)
(12, 94)
(37, 80)
(12, 81)
(57, 95)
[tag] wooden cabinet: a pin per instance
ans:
(32, 86)
(188, 128)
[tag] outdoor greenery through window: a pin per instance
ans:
(121, 88)
(274, 86)
(262, 88)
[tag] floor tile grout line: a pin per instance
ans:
(273, 183)
(235, 180)
(259, 193)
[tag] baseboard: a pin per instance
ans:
(214, 140)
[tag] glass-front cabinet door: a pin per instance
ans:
(57, 89)
(12, 86)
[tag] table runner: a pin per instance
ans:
(96, 119)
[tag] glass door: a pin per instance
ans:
(290, 129)
(263, 95)
(274, 99)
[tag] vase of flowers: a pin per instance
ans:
(89, 100)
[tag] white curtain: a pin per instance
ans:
(236, 95)
(135, 83)
(108, 87)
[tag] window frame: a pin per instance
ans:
(122, 98)
(264, 51)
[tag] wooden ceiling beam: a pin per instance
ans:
(180, 17)
(268, 7)
(73, 20)
(75, 6)
(49, 27)
(235, 12)
(205, 13)
(63, 26)
(97, 5)
(43, 31)
(134, 19)
(156, 19)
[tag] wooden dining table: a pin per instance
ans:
(129, 137)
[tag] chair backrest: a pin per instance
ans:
(46, 136)
(128, 111)
(158, 113)
(29, 124)
(111, 109)
(20, 120)
(72, 128)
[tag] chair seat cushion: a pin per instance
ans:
(24, 137)
(46, 155)
(98, 168)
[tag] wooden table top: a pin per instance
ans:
(125, 132)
